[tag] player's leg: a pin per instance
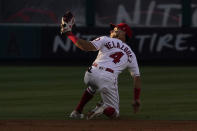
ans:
(86, 97)
(110, 98)
(108, 107)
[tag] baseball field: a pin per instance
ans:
(44, 94)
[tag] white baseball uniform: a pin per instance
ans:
(113, 57)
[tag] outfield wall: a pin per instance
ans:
(44, 44)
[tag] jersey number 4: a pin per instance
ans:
(116, 56)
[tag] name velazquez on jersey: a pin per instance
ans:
(110, 45)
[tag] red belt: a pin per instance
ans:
(103, 68)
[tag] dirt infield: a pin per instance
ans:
(96, 125)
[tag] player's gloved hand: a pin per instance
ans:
(136, 106)
(68, 20)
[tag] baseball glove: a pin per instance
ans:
(68, 20)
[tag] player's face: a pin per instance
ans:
(117, 33)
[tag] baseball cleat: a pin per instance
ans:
(76, 115)
(97, 111)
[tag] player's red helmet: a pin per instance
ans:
(124, 27)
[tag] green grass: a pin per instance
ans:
(168, 93)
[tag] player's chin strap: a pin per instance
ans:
(72, 37)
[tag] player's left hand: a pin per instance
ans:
(68, 20)
(136, 106)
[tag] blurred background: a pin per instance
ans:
(163, 31)
(37, 77)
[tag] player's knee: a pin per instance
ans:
(110, 112)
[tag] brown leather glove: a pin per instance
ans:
(68, 20)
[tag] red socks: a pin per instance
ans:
(84, 99)
(109, 111)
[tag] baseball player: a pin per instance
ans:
(113, 57)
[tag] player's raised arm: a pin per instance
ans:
(67, 23)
